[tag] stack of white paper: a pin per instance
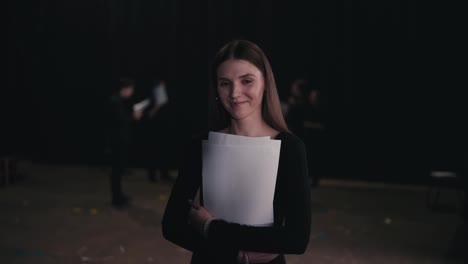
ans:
(239, 177)
(141, 105)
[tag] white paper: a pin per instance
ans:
(141, 105)
(239, 180)
(160, 95)
(227, 139)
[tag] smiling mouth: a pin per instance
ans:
(237, 103)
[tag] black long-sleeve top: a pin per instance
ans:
(120, 119)
(292, 210)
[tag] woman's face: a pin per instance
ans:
(240, 88)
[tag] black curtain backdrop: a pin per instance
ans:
(376, 63)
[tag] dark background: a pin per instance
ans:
(386, 70)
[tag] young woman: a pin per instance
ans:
(244, 102)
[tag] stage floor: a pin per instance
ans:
(61, 214)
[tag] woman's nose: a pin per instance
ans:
(235, 91)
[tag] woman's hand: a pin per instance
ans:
(137, 115)
(198, 216)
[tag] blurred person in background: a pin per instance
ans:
(295, 107)
(157, 133)
(122, 118)
(314, 134)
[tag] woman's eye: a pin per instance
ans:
(223, 84)
(246, 81)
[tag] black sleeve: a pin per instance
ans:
(175, 227)
(293, 236)
(118, 114)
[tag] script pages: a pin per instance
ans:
(239, 177)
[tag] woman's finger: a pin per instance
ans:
(193, 204)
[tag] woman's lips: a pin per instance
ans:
(237, 104)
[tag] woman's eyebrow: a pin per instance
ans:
(247, 75)
(241, 76)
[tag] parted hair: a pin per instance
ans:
(271, 106)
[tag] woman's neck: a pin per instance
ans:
(250, 128)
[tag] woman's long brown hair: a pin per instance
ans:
(271, 107)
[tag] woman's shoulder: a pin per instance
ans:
(289, 138)
(199, 136)
(191, 144)
(291, 143)
(194, 140)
